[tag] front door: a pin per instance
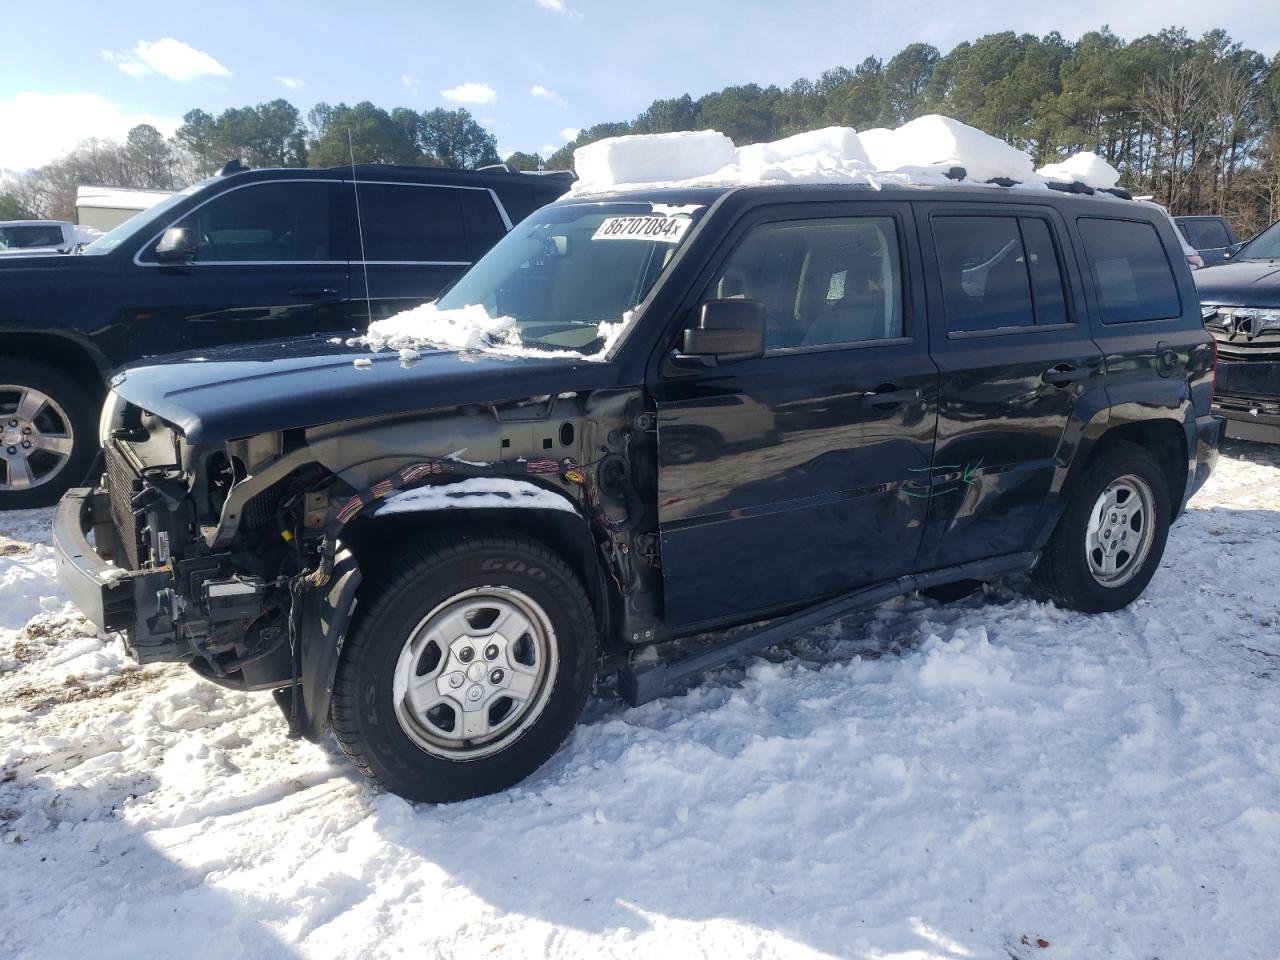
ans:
(802, 473)
(266, 267)
(1014, 357)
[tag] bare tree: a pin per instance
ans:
(1231, 91)
(1176, 105)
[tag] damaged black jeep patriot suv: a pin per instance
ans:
(681, 411)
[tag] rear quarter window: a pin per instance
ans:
(1131, 271)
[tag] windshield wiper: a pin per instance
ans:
(597, 343)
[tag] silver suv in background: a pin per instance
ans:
(39, 236)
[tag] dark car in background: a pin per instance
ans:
(1212, 237)
(242, 256)
(1240, 301)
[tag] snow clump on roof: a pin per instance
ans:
(923, 151)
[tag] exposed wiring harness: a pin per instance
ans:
(417, 474)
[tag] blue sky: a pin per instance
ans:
(94, 68)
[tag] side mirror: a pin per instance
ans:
(177, 245)
(726, 331)
(1233, 249)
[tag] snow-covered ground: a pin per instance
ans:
(920, 782)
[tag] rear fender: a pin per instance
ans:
(1121, 411)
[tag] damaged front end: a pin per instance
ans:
(242, 558)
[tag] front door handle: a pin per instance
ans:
(312, 293)
(1065, 374)
(887, 396)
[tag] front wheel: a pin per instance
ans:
(468, 670)
(47, 434)
(1110, 539)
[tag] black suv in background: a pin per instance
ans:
(1240, 300)
(1212, 237)
(244, 255)
(433, 550)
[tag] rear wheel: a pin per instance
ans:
(1109, 542)
(468, 670)
(47, 434)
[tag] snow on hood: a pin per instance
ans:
(466, 328)
(462, 328)
(922, 151)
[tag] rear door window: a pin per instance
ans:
(1131, 271)
(405, 223)
(998, 273)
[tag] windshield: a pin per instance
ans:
(22, 236)
(143, 221)
(1265, 246)
(569, 269)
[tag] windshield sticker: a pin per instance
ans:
(665, 229)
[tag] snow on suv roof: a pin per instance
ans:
(932, 151)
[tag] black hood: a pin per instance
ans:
(1240, 283)
(252, 388)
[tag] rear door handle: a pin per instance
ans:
(1065, 374)
(887, 396)
(313, 292)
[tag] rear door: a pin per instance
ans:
(802, 473)
(1012, 344)
(412, 240)
(268, 265)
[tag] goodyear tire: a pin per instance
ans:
(467, 667)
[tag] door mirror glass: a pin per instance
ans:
(726, 331)
(177, 245)
(557, 247)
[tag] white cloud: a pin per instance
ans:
(42, 126)
(470, 93)
(168, 57)
(410, 83)
(542, 93)
(555, 6)
(547, 149)
(570, 134)
(293, 83)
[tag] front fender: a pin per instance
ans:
(326, 615)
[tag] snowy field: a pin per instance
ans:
(995, 778)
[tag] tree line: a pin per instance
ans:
(1194, 122)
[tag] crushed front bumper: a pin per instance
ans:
(111, 597)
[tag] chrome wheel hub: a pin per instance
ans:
(475, 673)
(36, 438)
(1121, 528)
